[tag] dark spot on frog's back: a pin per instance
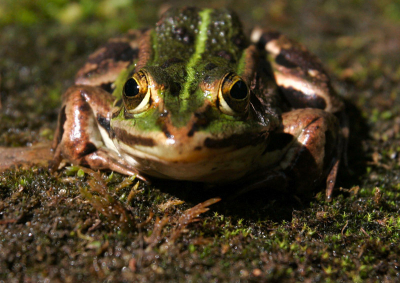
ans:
(240, 41)
(183, 35)
(175, 88)
(132, 140)
(226, 55)
(210, 66)
(171, 62)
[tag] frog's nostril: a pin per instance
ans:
(175, 89)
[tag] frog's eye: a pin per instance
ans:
(233, 95)
(136, 93)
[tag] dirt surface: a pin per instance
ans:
(77, 225)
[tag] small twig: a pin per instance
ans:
(134, 191)
(95, 225)
(362, 230)
(361, 251)
(147, 221)
(344, 227)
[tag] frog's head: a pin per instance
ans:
(190, 109)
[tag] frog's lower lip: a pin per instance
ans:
(170, 151)
(191, 162)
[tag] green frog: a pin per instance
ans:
(195, 99)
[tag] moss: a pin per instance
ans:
(49, 230)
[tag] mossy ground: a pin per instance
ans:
(71, 227)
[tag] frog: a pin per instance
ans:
(196, 99)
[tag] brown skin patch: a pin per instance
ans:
(99, 74)
(251, 63)
(298, 99)
(77, 113)
(132, 140)
(104, 65)
(145, 50)
(294, 53)
(118, 51)
(292, 59)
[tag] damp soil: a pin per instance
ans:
(76, 224)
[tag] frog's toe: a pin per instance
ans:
(106, 159)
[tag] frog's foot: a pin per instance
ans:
(104, 158)
(315, 151)
(331, 180)
(38, 154)
(82, 136)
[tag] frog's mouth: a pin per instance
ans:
(200, 157)
(184, 148)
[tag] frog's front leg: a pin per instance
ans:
(313, 150)
(308, 147)
(83, 131)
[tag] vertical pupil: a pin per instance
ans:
(131, 88)
(239, 90)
